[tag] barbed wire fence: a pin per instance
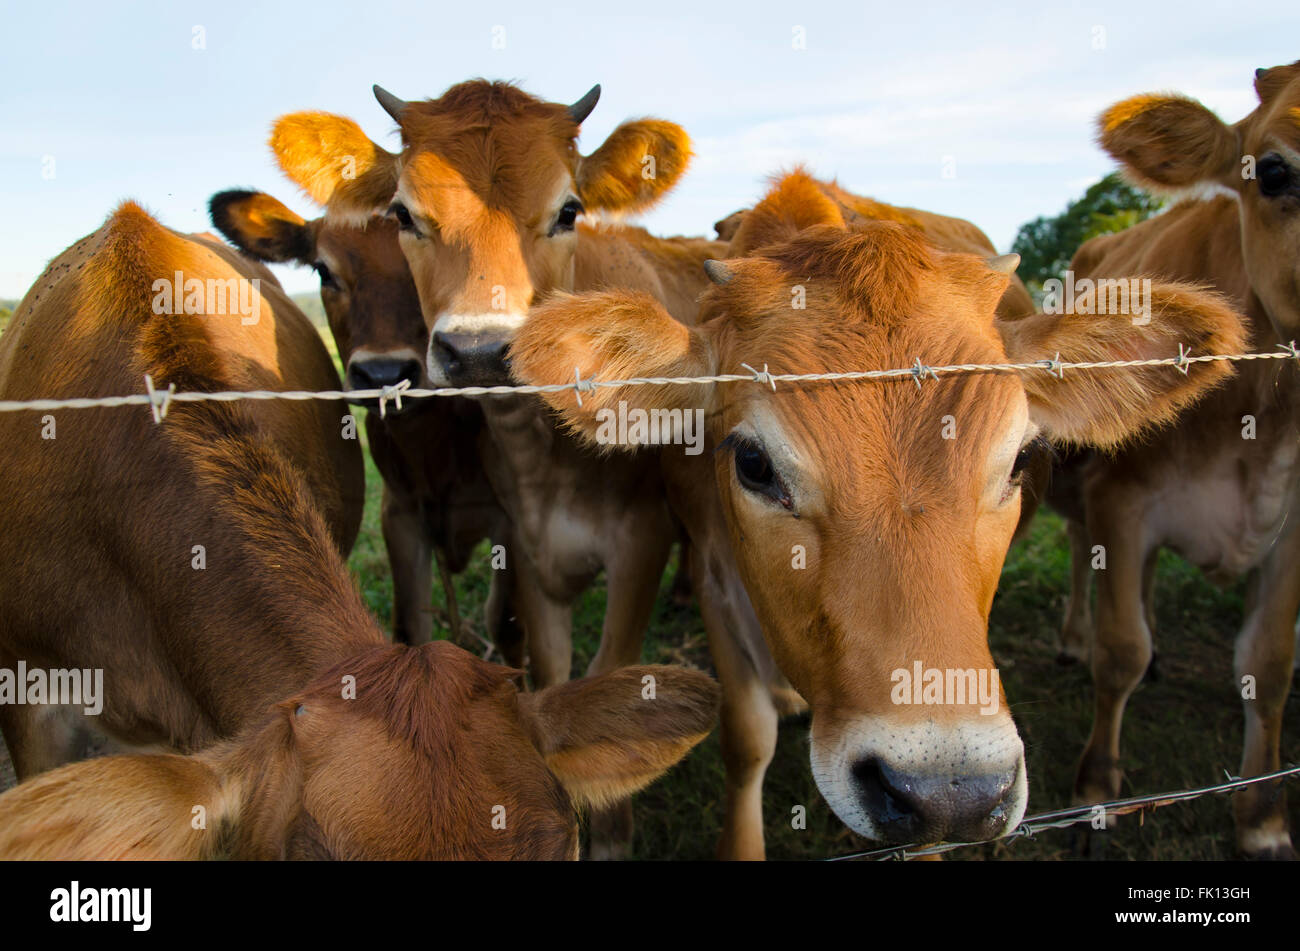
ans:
(1064, 818)
(160, 401)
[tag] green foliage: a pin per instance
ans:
(1046, 245)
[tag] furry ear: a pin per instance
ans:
(1105, 408)
(1169, 142)
(262, 227)
(117, 807)
(635, 167)
(606, 737)
(331, 159)
(612, 335)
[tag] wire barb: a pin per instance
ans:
(581, 386)
(394, 393)
(761, 377)
(159, 403)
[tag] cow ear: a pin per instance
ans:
(613, 335)
(1169, 142)
(262, 227)
(331, 159)
(606, 737)
(1107, 407)
(635, 167)
(116, 807)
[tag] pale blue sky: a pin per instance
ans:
(127, 107)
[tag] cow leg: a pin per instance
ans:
(1121, 647)
(1076, 632)
(632, 579)
(548, 626)
(1149, 608)
(410, 557)
(503, 627)
(1265, 652)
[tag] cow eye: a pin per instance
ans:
(1274, 175)
(567, 217)
(326, 275)
(754, 470)
(403, 216)
(1018, 467)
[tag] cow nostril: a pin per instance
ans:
(409, 371)
(886, 799)
(445, 352)
(375, 374)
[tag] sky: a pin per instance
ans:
(977, 110)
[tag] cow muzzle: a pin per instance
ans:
(377, 371)
(922, 782)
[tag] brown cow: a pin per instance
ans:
(198, 563)
(1222, 487)
(487, 193)
(435, 756)
(437, 501)
(868, 543)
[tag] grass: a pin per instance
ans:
(1182, 730)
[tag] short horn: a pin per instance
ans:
(718, 272)
(392, 105)
(1006, 263)
(582, 108)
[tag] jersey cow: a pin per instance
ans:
(1232, 459)
(436, 756)
(487, 193)
(437, 501)
(198, 563)
(868, 543)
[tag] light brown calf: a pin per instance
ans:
(1222, 487)
(197, 563)
(434, 756)
(487, 192)
(868, 543)
(437, 501)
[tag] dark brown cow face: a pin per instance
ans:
(487, 193)
(870, 520)
(365, 285)
(1171, 143)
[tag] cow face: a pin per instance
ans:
(398, 753)
(1171, 143)
(487, 193)
(870, 520)
(366, 288)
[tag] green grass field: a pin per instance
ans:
(1182, 730)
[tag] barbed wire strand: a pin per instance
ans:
(1064, 818)
(161, 401)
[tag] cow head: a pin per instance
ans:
(487, 193)
(365, 285)
(1171, 143)
(870, 519)
(399, 753)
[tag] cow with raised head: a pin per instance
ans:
(867, 520)
(487, 194)
(1222, 487)
(437, 502)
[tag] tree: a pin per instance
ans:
(1046, 245)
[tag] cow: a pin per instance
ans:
(1221, 487)
(198, 563)
(437, 501)
(868, 544)
(487, 194)
(435, 756)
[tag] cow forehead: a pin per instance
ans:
(372, 249)
(508, 163)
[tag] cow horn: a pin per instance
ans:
(1005, 263)
(1259, 73)
(718, 272)
(392, 105)
(582, 108)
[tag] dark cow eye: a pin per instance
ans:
(567, 217)
(754, 470)
(326, 275)
(1274, 175)
(403, 216)
(1018, 467)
